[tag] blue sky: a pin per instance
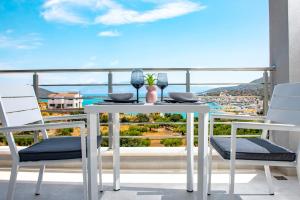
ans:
(132, 33)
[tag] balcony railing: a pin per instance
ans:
(267, 74)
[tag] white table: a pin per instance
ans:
(93, 127)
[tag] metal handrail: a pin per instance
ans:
(101, 69)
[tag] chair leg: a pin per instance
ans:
(298, 163)
(40, 179)
(209, 171)
(232, 179)
(84, 176)
(269, 179)
(12, 182)
(298, 171)
(100, 170)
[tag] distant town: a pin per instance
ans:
(250, 105)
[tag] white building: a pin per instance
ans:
(66, 100)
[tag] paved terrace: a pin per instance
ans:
(65, 184)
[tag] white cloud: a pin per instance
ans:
(28, 41)
(109, 34)
(111, 12)
(118, 15)
(61, 15)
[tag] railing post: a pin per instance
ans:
(187, 89)
(266, 92)
(188, 81)
(35, 83)
(272, 80)
(110, 117)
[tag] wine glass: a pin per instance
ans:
(137, 81)
(162, 83)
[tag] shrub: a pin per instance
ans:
(135, 142)
(176, 118)
(152, 126)
(142, 118)
(103, 118)
(180, 128)
(129, 142)
(138, 128)
(3, 140)
(65, 132)
(131, 133)
(24, 141)
(104, 142)
(225, 129)
(125, 119)
(171, 142)
(20, 141)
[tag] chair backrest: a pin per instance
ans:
(18, 107)
(285, 104)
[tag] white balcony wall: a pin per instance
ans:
(285, 50)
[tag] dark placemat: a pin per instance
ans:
(119, 103)
(176, 101)
(123, 101)
(179, 103)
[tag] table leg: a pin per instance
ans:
(92, 122)
(202, 155)
(190, 152)
(116, 149)
(110, 131)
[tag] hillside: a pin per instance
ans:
(239, 90)
(44, 93)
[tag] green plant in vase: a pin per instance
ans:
(151, 95)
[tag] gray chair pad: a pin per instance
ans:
(59, 148)
(252, 149)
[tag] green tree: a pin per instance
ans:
(176, 118)
(142, 118)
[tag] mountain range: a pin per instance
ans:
(254, 88)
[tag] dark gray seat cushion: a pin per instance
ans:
(252, 149)
(59, 148)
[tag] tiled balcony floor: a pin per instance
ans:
(146, 185)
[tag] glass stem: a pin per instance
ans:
(137, 95)
(162, 95)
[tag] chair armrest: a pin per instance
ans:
(65, 117)
(36, 127)
(240, 117)
(265, 126)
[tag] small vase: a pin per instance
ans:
(151, 96)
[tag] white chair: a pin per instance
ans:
(19, 111)
(283, 115)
